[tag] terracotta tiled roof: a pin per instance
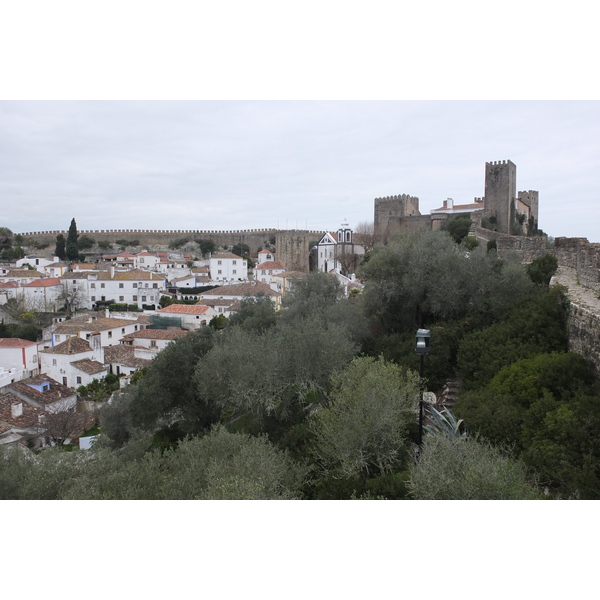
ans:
(9, 284)
(98, 325)
(216, 302)
(75, 275)
(273, 265)
(476, 206)
(73, 345)
(241, 289)
(91, 367)
(23, 273)
(15, 343)
(29, 418)
(184, 309)
(48, 282)
(226, 255)
(125, 355)
(155, 334)
(139, 275)
(56, 392)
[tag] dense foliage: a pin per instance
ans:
(319, 400)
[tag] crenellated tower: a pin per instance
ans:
(500, 194)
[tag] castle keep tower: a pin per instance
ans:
(500, 193)
(390, 211)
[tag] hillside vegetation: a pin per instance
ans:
(320, 400)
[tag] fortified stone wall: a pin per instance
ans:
(528, 248)
(390, 210)
(254, 238)
(581, 255)
(584, 332)
(293, 248)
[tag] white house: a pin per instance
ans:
(338, 252)
(19, 359)
(74, 362)
(110, 330)
(42, 295)
(142, 288)
(265, 256)
(193, 316)
(145, 260)
(44, 392)
(20, 276)
(226, 266)
(8, 291)
(449, 208)
(36, 262)
(239, 291)
(265, 271)
(153, 339)
(126, 360)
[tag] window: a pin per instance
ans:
(219, 271)
(234, 271)
(121, 286)
(74, 282)
(143, 298)
(135, 285)
(53, 362)
(219, 262)
(145, 285)
(79, 380)
(109, 334)
(235, 262)
(102, 285)
(152, 343)
(93, 285)
(57, 338)
(123, 330)
(121, 298)
(135, 297)
(93, 298)
(155, 286)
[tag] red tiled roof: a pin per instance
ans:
(241, 289)
(48, 282)
(72, 345)
(184, 309)
(155, 334)
(15, 343)
(89, 366)
(29, 418)
(270, 265)
(9, 284)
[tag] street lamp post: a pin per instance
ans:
(422, 349)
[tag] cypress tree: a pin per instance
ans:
(72, 248)
(60, 247)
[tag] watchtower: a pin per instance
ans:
(500, 193)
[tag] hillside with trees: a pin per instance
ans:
(320, 400)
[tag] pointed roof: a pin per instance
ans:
(73, 345)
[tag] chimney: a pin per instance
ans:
(449, 203)
(16, 410)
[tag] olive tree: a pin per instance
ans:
(364, 429)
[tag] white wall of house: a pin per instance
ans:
(228, 267)
(42, 298)
(25, 360)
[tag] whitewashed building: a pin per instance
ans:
(226, 266)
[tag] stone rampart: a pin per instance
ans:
(584, 332)
(528, 248)
(581, 255)
(254, 238)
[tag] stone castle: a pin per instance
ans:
(502, 209)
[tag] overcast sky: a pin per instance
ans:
(285, 164)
